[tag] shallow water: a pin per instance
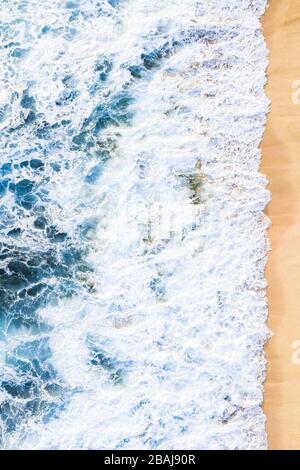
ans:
(132, 236)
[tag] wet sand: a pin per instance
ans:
(281, 164)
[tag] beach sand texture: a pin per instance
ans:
(281, 165)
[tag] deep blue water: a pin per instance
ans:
(122, 139)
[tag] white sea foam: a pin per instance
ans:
(176, 314)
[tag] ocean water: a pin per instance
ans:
(133, 240)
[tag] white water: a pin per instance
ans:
(177, 299)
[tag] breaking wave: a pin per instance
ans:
(133, 239)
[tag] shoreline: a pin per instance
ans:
(281, 165)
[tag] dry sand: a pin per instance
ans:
(281, 164)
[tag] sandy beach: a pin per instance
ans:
(281, 165)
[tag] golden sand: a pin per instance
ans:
(281, 164)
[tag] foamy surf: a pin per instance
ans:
(133, 235)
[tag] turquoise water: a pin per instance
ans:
(129, 193)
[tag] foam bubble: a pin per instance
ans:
(149, 117)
